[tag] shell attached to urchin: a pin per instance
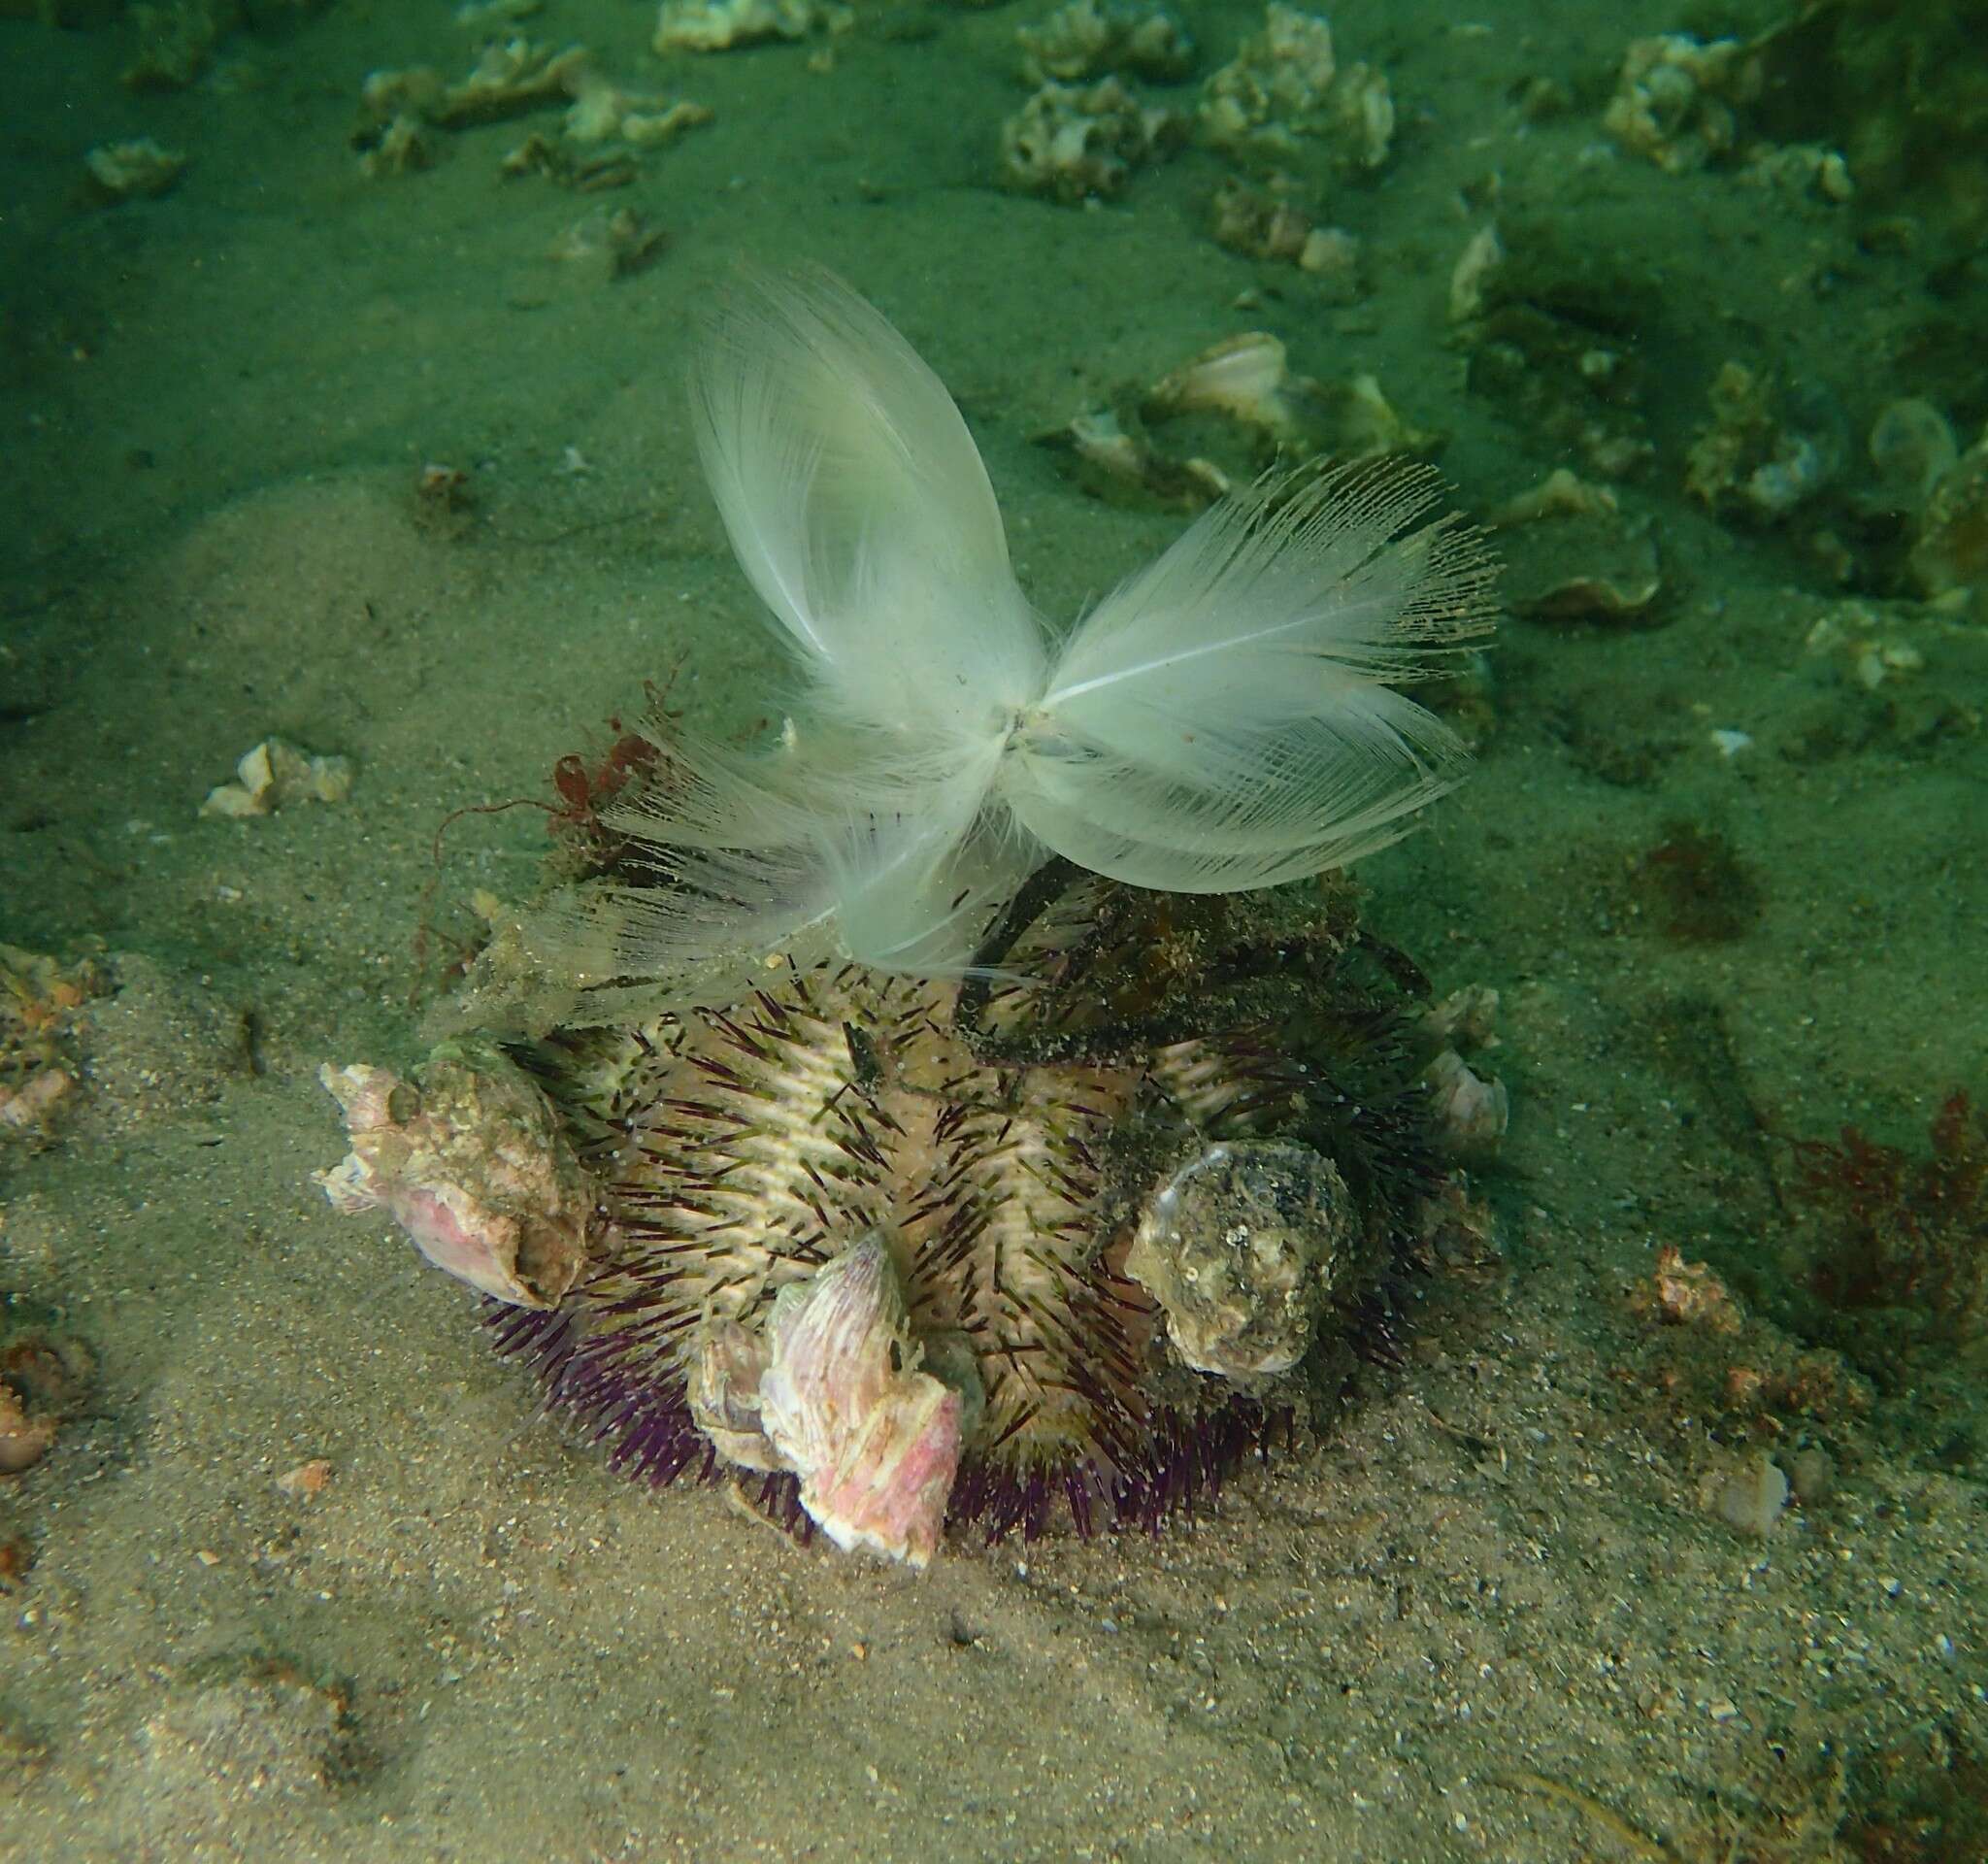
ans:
(914, 1253)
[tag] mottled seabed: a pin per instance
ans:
(1500, 1613)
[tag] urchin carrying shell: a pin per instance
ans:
(1009, 1144)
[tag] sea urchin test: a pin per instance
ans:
(947, 1116)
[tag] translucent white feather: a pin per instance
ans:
(1227, 718)
(1220, 722)
(859, 507)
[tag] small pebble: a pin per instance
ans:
(307, 1479)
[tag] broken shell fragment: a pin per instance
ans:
(1912, 447)
(722, 1389)
(1086, 38)
(1468, 1017)
(1285, 87)
(874, 1441)
(1258, 222)
(404, 148)
(31, 1106)
(1584, 565)
(1247, 377)
(604, 112)
(1114, 463)
(1562, 493)
(133, 171)
(509, 79)
(1951, 554)
(274, 775)
(1471, 1110)
(23, 1439)
(611, 244)
(1680, 100)
(1076, 144)
(1473, 273)
(1243, 1248)
(1750, 460)
(1265, 223)
(717, 26)
(472, 1164)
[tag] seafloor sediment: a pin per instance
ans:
(1665, 1533)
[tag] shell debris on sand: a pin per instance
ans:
(274, 775)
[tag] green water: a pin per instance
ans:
(1502, 1603)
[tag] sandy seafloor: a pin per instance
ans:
(1497, 1612)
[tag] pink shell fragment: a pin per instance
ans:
(874, 1441)
(471, 1165)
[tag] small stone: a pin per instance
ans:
(307, 1479)
(1812, 1474)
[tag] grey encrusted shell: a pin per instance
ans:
(1244, 1247)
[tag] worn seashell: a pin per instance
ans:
(1471, 1110)
(512, 78)
(471, 1165)
(719, 25)
(1562, 493)
(135, 170)
(1116, 462)
(1285, 88)
(1951, 552)
(24, 1440)
(722, 1391)
(1912, 447)
(1085, 38)
(1076, 144)
(1594, 565)
(1678, 99)
(1471, 274)
(1242, 1247)
(875, 1442)
(1247, 377)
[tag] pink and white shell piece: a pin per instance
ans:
(875, 1442)
(471, 1165)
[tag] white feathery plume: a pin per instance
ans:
(1225, 720)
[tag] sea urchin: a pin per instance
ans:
(939, 1114)
(1131, 1210)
